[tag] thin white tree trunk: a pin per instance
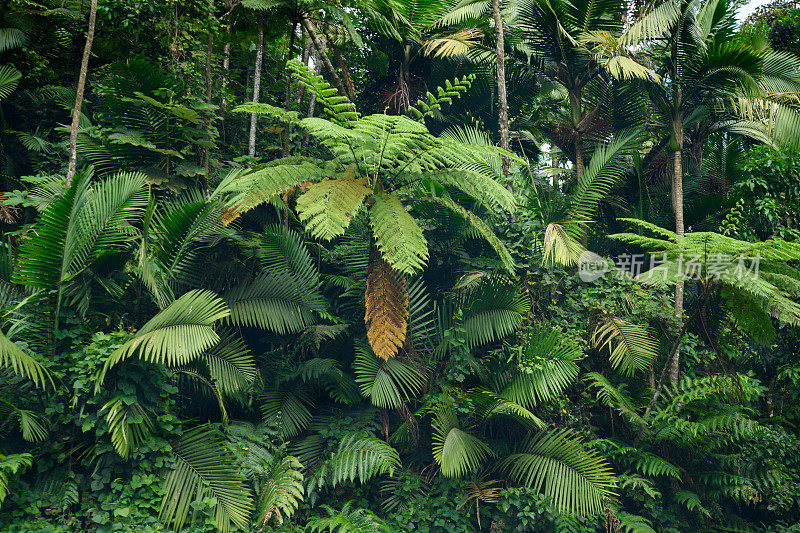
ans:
(677, 205)
(76, 113)
(501, 82)
(251, 150)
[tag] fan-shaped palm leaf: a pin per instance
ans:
(458, 452)
(547, 366)
(635, 348)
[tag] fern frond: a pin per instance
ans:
(327, 207)
(280, 490)
(386, 316)
(397, 235)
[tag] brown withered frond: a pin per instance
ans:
(387, 309)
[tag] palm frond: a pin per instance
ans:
(175, 336)
(11, 356)
(362, 458)
(578, 480)
(631, 346)
(204, 468)
(547, 366)
(128, 424)
(458, 452)
(280, 490)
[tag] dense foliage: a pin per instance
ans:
(399, 265)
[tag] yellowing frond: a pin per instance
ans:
(387, 309)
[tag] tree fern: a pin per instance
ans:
(327, 207)
(724, 261)
(386, 302)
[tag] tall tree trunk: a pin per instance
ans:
(677, 206)
(288, 103)
(209, 90)
(312, 101)
(301, 89)
(226, 70)
(209, 52)
(337, 81)
(501, 83)
(226, 61)
(251, 148)
(76, 113)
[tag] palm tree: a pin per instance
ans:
(552, 34)
(699, 62)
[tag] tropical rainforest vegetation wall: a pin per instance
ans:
(399, 265)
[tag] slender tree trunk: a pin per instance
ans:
(301, 89)
(251, 148)
(312, 101)
(501, 83)
(348, 81)
(289, 52)
(677, 206)
(771, 395)
(226, 63)
(226, 70)
(209, 90)
(337, 81)
(209, 52)
(76, 113)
